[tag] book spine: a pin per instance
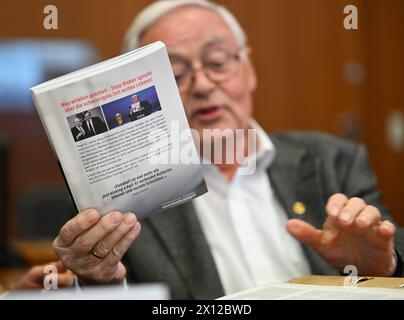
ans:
(44, 125)
(67, 185)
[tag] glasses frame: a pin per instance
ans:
(196, 66)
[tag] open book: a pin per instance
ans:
(293, 291)
(115, 127)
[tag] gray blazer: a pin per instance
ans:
(308, 167)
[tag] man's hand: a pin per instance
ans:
(92, 246)
(36, 276)
(353, 234)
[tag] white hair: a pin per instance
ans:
(156, 10)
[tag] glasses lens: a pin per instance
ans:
(219, 65)
(182, 74)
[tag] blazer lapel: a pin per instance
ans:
(181, 234)
(296, 177)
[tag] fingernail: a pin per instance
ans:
(334, 211)
(130, 218)
(362, 222)
(115, 217)
(345, 217)
(92, 216)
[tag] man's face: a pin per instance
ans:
(87, 115)
(77, 122)
(192, 33)
(118, 118)
(135, 99)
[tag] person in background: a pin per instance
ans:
(36, 276)
(118, 119)
(93, 125)
(78, 131)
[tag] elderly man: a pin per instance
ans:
(78, 131)
(311, 206)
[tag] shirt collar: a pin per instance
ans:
(266, 149)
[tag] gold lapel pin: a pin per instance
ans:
(299, 208)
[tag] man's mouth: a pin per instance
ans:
(208, 113)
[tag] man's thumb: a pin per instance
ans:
(304, 232)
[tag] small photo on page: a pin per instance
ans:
(87, 124)
(132, 107)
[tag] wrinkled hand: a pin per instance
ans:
(92, 246)
(36, 277)
(353, 234)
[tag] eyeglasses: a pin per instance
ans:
(218, 65)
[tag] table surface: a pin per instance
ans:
(371, 282)
(35, 252)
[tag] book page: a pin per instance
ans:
(155, 291)
(287, 291)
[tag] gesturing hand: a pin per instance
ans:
(353, 234)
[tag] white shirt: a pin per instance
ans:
(135, 107)
(245, 226)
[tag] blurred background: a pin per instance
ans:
(313, 74)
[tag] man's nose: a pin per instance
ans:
(202, 85)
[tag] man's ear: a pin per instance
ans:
(251, 74)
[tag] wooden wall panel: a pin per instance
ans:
(385, 94)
